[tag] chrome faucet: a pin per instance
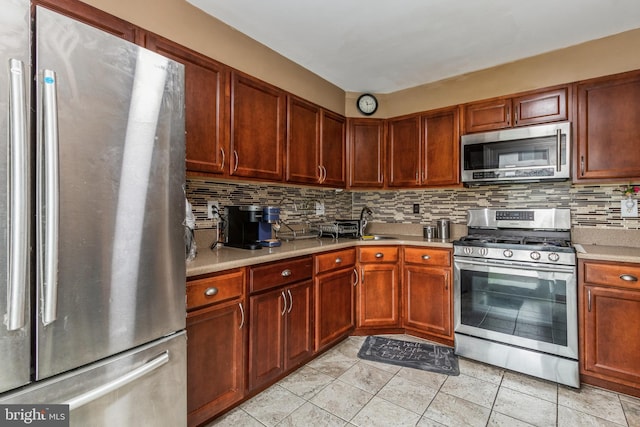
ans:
(363, 221)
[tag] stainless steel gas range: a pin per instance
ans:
(515, 292)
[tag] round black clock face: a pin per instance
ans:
(367, 104)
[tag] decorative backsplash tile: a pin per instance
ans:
(591, 205)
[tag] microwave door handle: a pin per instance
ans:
(48, 195)
(18, 253)
(558, 148)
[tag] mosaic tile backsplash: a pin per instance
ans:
(591, 205)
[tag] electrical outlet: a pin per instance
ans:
(416, 208)
(212, 209)
(319, 208)
(629, 208)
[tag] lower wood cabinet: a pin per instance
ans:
(281, 328)
(378, 289)
(216, 344)
(427, 293)
(609, 324)
(334, 287)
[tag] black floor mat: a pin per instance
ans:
(424, 356)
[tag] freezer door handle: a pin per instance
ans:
(98, 392)
(48, 196)
(18, 198)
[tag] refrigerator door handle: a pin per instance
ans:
(18, 198)
(98, 392)
(48, 195)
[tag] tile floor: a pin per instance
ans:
(338, 389)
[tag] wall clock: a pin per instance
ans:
(367, 104)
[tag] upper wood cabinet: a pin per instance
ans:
(303, 142)
(315, 145)
(95, 17)
(332, 149)
(258, 122)
(366, 152)
(608, 126)
(424, 149)
(441, 141)
(544, 106)
(405, 149)
(206, 106)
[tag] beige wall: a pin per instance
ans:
(187, 25)
(178, 20)
(601, 57)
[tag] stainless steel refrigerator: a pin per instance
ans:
(92, 270)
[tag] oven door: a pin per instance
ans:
(522, 304)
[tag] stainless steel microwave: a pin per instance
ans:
(525, 154)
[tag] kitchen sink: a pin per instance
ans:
(376, 237)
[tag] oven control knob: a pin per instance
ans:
(467, 250)
(508, 253)
(535, 255)
(483, 251)
(554, 257)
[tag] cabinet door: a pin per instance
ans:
(404, 152)
(303, 140)
(206, 106)
(378, 294)
(334, 301)
(487, 115)
(543, 107)
(441, 148)
(215, 360)
(266, 337)
(298, 327)
(610, 342)
(332, 149)
(257, 128)
(608, 128)
(366, 153)
(427, 300)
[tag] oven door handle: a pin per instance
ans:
(511, 264)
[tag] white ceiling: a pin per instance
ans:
(383, 46)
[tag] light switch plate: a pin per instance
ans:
(629, 208)
(319, 208)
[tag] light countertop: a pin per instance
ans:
(608, 253)
(225, 258)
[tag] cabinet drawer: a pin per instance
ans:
(211, 290)
(280, 273)
(612, 274)
(378, 254)
(427, 256)
(335, 260)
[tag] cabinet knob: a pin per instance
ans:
(211, 291)
(628, 278)
(286, 273)
(426, 257)
(379, 255)
(338, 260)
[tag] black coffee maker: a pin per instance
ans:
(249, 227)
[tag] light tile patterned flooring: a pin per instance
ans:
(338, 389)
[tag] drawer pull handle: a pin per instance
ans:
(284, 307)
(211, 291)
(338, 260)
(628, 278)
(286, 273)
(426, 257)
(379, 255)
(242, 313)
